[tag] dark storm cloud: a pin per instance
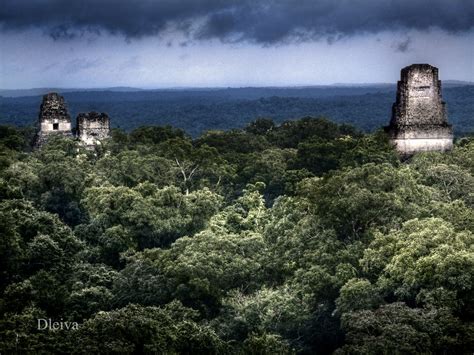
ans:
(267, 22)
(402, 46)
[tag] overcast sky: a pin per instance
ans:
(209, 43)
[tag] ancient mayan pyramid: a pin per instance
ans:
(419, 120)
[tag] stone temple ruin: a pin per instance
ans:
(419, 120)
(92, 127)
(54, 119)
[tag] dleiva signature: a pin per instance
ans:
(49, 324)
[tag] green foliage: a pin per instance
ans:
(90, 286)
(305, 237)
(146, 330)
(260, 126)
(291, 133)
(141, 281)
(203, 268)
(425, 262)
(33, 240)
(278, 311)
(398, 329)
(146, 215)
(373, 195)
(130, 168)
(154, 135)
(266, 344)
(270, 167)
(20, 334)
(357, 294)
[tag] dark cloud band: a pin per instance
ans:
(266, 22)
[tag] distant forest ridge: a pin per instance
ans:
(367, 107)
(42, 91)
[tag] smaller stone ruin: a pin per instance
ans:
(419, 120)
(53, 118)
(92, 127)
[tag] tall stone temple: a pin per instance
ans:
(419, 121)
(54, 119)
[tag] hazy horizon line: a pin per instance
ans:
(296, 86)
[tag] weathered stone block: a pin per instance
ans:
(92, 127)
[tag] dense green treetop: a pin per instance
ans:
(300, 237)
